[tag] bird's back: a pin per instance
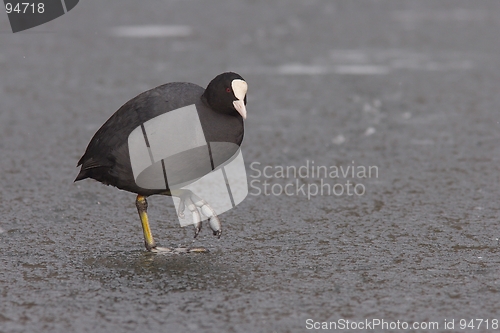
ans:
(107, 157)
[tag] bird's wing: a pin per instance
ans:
(106, 148)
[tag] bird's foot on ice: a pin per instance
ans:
(179, 250)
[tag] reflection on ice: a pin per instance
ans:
(369, 62)
(143, 31)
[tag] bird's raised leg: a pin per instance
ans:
(213, 219)
(185, 199)
(193, 202)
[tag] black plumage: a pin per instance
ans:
(107, 158)
(220, 109)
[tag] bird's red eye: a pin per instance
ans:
(228, 90)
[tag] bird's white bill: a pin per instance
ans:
(239, 105)
(240, 88)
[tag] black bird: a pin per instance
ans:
(166, 138)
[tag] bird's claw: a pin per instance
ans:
(218, 233)
(213, 219)
(193, 202)
(197, 229)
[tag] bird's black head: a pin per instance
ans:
(227, 93)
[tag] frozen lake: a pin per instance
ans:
(408, 87)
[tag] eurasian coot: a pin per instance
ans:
(168, 137)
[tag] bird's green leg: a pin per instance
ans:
(142, 207)
(149, 242)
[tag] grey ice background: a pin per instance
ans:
(409, 86)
